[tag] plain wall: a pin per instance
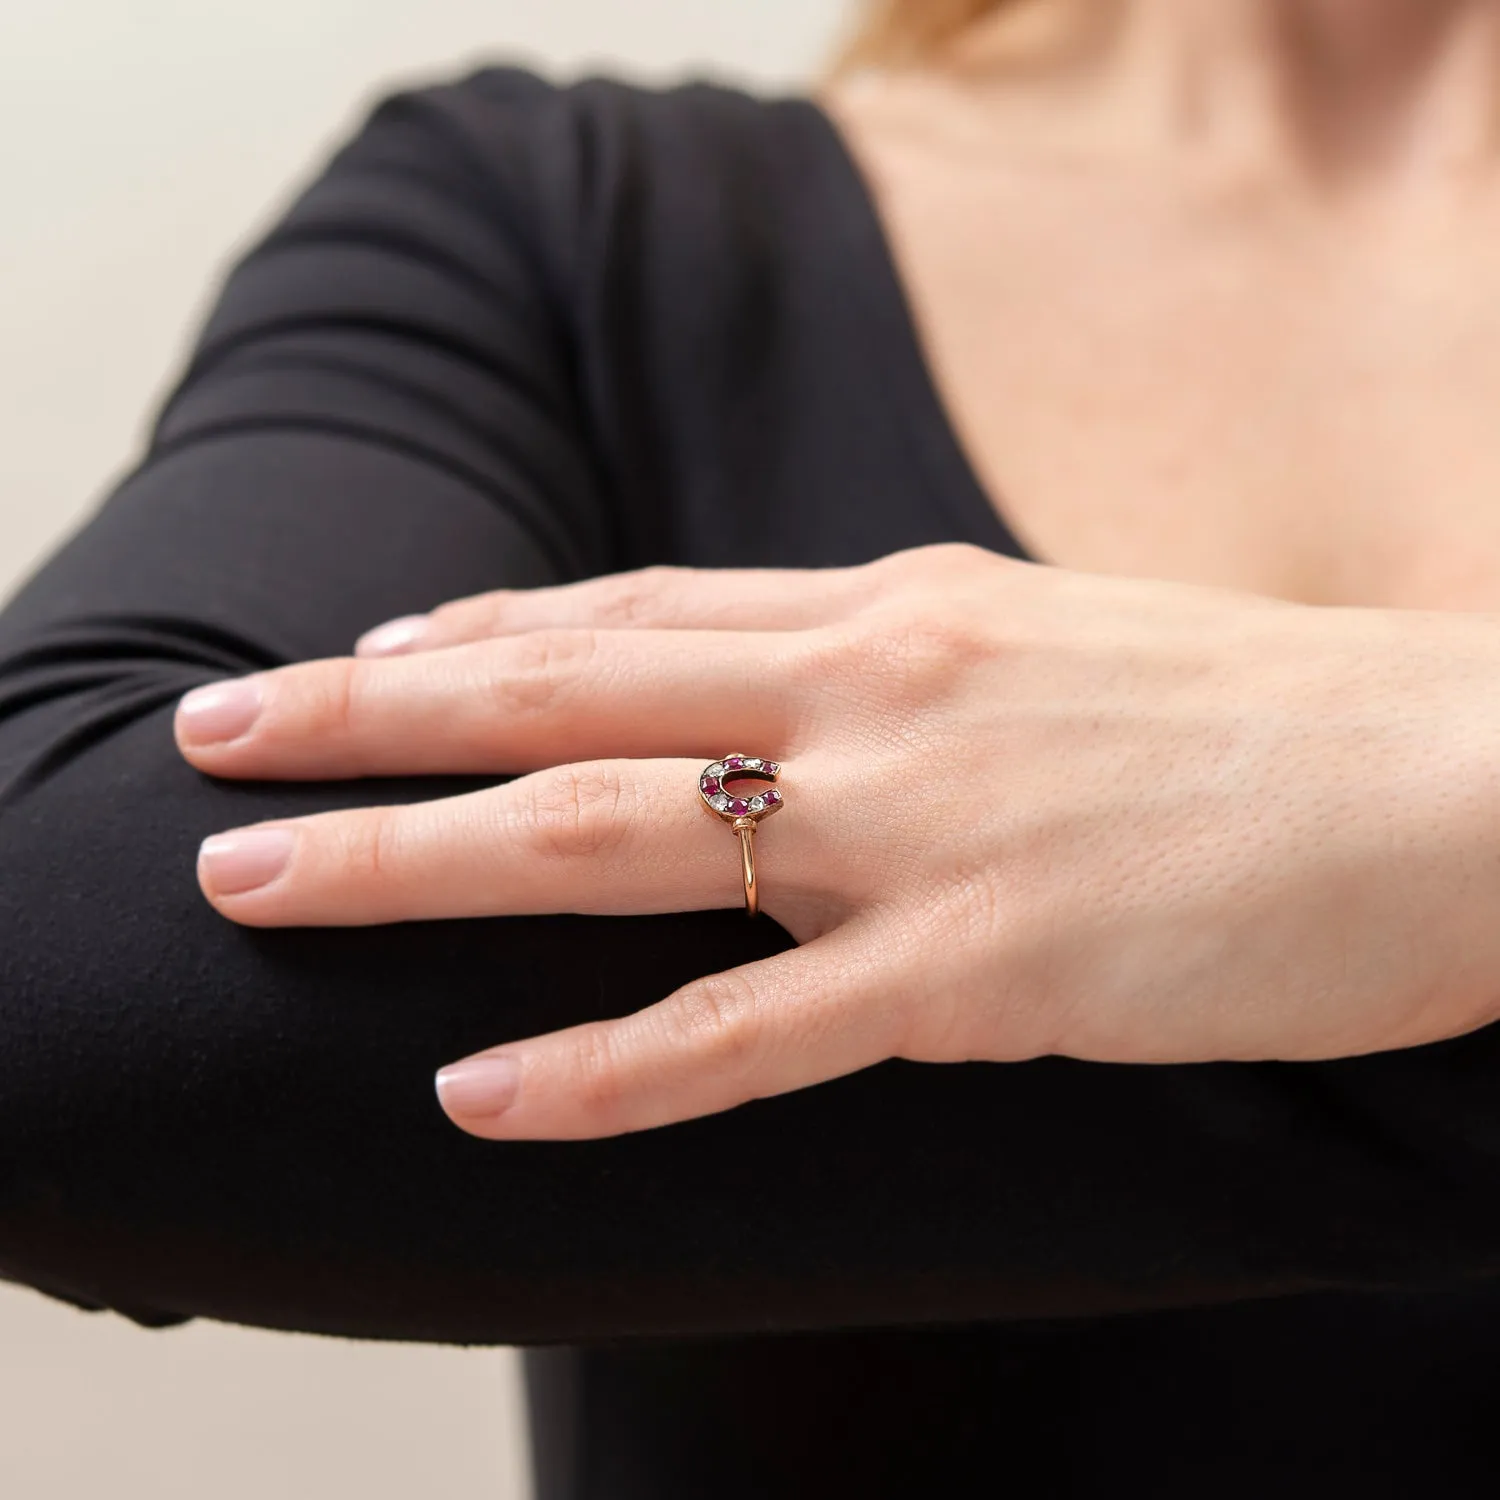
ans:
(142, 142)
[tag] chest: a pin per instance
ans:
(1220, 395)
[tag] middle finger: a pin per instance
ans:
(513, 703)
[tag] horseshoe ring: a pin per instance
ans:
(740, 812)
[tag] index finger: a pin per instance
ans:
(662, 597)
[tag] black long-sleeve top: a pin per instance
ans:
(518, 333)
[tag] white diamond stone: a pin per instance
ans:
(719, 802)
(753, 764)
(717, 769)
(757, 804)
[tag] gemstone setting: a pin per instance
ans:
(713, 783)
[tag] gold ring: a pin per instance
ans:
(742, 813)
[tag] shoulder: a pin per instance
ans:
(570, 153)
(585, 119)
(596, 200)
(686, 260)
(697, 210)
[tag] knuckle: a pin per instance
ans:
(718, 1019)
(925, 651)
(598, 1073)
(943, 640)
(636, 599)
(943, 559)
(829, 654)
(897, 652)
(534, 672)
(837, 675)
(963, 557)
(342, 687)
(369, 845)
(478, 615)
(575, 810)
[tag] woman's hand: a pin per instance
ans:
(1028, 811)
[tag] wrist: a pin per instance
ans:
(1431, 687)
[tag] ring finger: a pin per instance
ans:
(606, 837)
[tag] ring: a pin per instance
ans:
(742, 813)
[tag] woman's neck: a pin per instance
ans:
(1339, 90)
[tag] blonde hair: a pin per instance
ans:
(897, 32)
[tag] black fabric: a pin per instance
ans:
(519, 333)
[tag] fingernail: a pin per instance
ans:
(244, 858)
(393, 636)
(480, 1088)
(220, 711)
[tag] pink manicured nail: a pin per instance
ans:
(220, 711)
(244, 858)
(393, 636)
(479, 1088)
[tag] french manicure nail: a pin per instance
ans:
(479, 1088)
(220, 711)
(393, 636)
(244, 858)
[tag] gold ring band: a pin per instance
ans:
(745, 827)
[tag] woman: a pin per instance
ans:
(1062, 446)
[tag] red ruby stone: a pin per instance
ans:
(734, 763)
(772, 796)
(739, 807)
(769, 767)
(710, 785)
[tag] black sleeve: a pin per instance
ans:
(200, 1119)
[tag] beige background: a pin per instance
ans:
(140, 141)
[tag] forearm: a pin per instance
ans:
(203, 1119)
(198, 1118)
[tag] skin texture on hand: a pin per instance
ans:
(1029, 811)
